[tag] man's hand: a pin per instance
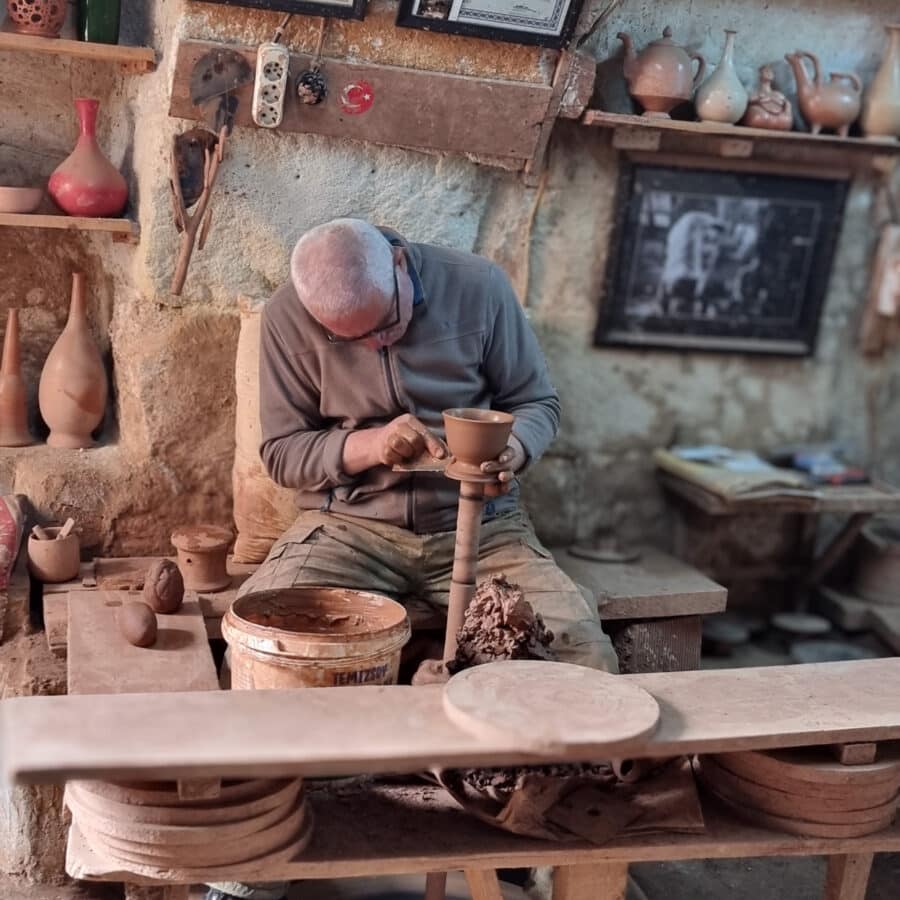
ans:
(505, 465)
(399, 441)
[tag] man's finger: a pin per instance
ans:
(434, 444)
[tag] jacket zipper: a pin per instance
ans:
(395, 399)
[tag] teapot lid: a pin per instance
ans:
(665, 40)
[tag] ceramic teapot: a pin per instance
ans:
(825, 104)
(660, 76)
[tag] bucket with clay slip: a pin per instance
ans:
(314, 637)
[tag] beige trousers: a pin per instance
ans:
(335, 550)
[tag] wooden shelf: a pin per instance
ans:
(640, 133)
(137, 59)
(120, 229)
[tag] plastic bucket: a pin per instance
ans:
(314, 637)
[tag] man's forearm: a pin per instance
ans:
(360, 451)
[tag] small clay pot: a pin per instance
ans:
(163, 587)
(44, 18)
(137, 622)
(54, 561)
(202, 552)
(475, 435)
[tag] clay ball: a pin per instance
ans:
(163, 587)
(137, 622)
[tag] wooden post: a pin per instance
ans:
(602, 881)
(465, 560)
(483, 884)
(435, 886)
(847, 876)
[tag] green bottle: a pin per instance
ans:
(98, 21)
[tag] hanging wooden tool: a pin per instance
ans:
(184, 182)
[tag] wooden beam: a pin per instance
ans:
(483, 884)
(120, 229)
(346, 731)
(409, 108)
(605, 881)
(847, 876)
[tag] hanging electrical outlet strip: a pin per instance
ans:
(270, 87)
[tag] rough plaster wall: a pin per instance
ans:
(169, 436)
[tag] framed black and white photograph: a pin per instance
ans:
(548, 23)
(719, 260)
(337, 9)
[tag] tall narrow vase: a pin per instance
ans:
(881, 111)
(722, 97)
(86, 183)
(73, 388)
(13, 417)
(98, 21)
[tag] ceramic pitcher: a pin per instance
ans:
(881, 111)
(73, 388)
(722, 97)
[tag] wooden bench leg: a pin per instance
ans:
(436, 886)
(847, 876)
(483, 884)
(605, 881)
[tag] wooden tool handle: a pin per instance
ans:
(40, 534)
(66, 530)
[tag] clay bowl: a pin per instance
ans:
(20, 199)
(54, 560)
(475, 436)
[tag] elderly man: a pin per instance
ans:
(372, 338)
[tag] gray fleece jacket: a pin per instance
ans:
(468, 344)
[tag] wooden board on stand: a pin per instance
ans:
(101, 661)
(404, 729)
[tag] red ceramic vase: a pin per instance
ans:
(86, 183)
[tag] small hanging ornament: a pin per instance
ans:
(311, 87)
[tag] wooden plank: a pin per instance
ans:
(410, 108)
(352, 730)
(138, 59)
(600, 118)
(837, 547)
(855, 754)
(483, 884)
(846, 610)
(101, 661)
(124, 228)
(655, 585)
(403, 830)
(847, 876)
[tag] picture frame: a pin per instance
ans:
(336, 9)
(545, 23)
(720, 260)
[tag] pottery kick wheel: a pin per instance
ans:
(537, 701)
(474, 436)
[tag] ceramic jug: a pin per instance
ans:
(86, 183)
(722, 97)
(13, 417)
(767, 107)
(73, 388)
(881, 113)
(660, 76)
(825, 104)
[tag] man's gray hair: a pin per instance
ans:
(337, 268)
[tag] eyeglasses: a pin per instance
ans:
(386, 326)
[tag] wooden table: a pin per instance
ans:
(652, 608)
(856, 502)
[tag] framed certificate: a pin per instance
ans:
(547, 23)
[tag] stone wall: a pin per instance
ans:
(166, 448)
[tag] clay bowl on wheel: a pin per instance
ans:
(475, 435)
(20, 199)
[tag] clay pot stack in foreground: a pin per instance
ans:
(805, 791)
(146, 827)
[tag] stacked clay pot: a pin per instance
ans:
(805, 791)
(146, 828)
